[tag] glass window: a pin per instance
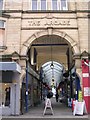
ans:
(2, 24)
(43, 4)
(2, 32)
(34, 4)
(5, 94)
(63, 4)
(54, 4)
(1, 4)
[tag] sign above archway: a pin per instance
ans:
(45, 22)
(48, 22)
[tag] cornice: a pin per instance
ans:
(4, 15)
(45, 11)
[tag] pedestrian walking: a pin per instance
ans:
(57, 96)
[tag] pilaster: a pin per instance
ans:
(78, 67)
(22, 63)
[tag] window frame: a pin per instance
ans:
(32, 6)
(59, 5)
(40, 6)
(52, 5)
(66, 8)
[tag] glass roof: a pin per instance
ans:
(52, 75)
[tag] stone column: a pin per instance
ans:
(15, 97)
(15, 94)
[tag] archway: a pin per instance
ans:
(41, 43)
(26, 45)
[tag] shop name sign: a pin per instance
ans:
(49, 22)
(43, 23)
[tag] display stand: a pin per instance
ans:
(80, 108)
(48, 105)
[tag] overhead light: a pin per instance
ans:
(52, 79)
(52, 66)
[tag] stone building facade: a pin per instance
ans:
(24, 21)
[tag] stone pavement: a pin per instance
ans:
(61, 112)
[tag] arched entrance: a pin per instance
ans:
(49, 31)
(50, 45)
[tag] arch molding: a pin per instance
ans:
(49, 31)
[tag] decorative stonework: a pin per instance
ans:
(49, 31)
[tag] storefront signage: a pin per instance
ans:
(86, 91)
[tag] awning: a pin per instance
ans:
(10, 66)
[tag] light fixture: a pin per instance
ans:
(52, 65)
(52, 74)
(52, 79)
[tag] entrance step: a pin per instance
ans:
(47, 118)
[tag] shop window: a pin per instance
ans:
(54, 4)
(1, 4)
(43, 4)
(5, 94)
(34, 4)
(2, 24)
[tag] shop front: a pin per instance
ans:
(9, 88)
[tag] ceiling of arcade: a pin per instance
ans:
(43, 47)
(51, 48)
